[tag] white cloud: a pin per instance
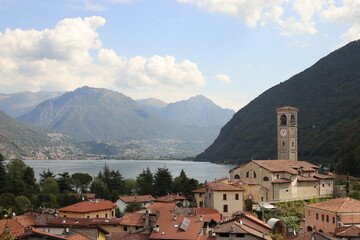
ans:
(223, 78)
(291, 16)
(348, 14)
(59, 59)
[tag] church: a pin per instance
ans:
(285, 179)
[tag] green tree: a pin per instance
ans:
(162, 182)
(99, 188)
(64, 182)
(129, 186)
(22, 204)
(133, 206)
(144, 183)
(7, 200)
(50, 186)
(113, 180)
(81, 181)
(2, 174)
(15, 177)
(45, 174)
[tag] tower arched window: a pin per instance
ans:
(247, 174)
(283, 120)
(237, 176)
(265, 179)
(254, 174)
(292, 120)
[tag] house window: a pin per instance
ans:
(224, 196)
(236, 196)
(88, 216)
(97, 215)
(115, 225)
(247, 174)
(262, 199)
(333, 219)
(308, 213)
(125, 228)
(225, 208)
(287, 190)
(308, 174)
(237, 176)
(64, 216)
(224, 235)
(254, 174)
(277, 176)
(105, 215)
(317, 216)
(265, 179)
(329, 184)
(137, 228)
(327, 218)
(209, 195)
(323, 185)
(200, 194)
(112, 213)
(322, 217)
(240, 235)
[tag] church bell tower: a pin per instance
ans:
(287, 118)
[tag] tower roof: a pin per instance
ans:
(287, 108)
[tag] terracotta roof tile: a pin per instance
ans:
(67, 221)
(338, 205)
(200, 190)
(77, 236)
(322, 176)
(307, 179)
(238, 227)
(220, 186)
(221, 179)
(170, 198)
(15, 228)
(162, 207)
(264, 224)
(144, 198)
(208, 214)
(88, 206)
(132, 219)
(170, 228)
(350, 231)
(37, 231)
(287, 108)
(289, 166)
(88, 195)
(129, 236)
(282, 180)
(25, 220)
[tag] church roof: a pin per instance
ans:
(289, 166)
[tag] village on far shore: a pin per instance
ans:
(261, 199)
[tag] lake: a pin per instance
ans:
(132, 168)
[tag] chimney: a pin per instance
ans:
(232, 228)
(201, 218)
(147, 218)
(156, 228)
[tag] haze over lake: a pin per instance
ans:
(201, 171)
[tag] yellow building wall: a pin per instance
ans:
(233, 204)
(110, 213)
(199, 197)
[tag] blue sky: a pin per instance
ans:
(229, 51)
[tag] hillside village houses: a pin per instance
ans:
(220, 213)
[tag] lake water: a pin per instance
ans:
(132, 168)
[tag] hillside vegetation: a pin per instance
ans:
(329, 119)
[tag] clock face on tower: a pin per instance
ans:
(283, 132)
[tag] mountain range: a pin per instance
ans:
(327, 95)
(102, 121)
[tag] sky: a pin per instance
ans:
(227, 50)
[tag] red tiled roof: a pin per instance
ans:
(282, 180)
(132, 219)
(66, 221)
(208, 214)
(350, 231)
(258, 221)
(206, 237)
(129, 236)
(77, 236)
(220, 186)
(287, 108)
(344, 177)
(289, 166)
(88, 206)
(303, 236)
(307, 179)
(170, 228)
(37, 231)
(200, 190)
(239, 227)
(221, 179)
(321, 176)
(144, 198)
(25, 220)
(170, 198)
(338, 205)
(162, 207)
(15, 228)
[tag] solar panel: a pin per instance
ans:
(185, 224)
